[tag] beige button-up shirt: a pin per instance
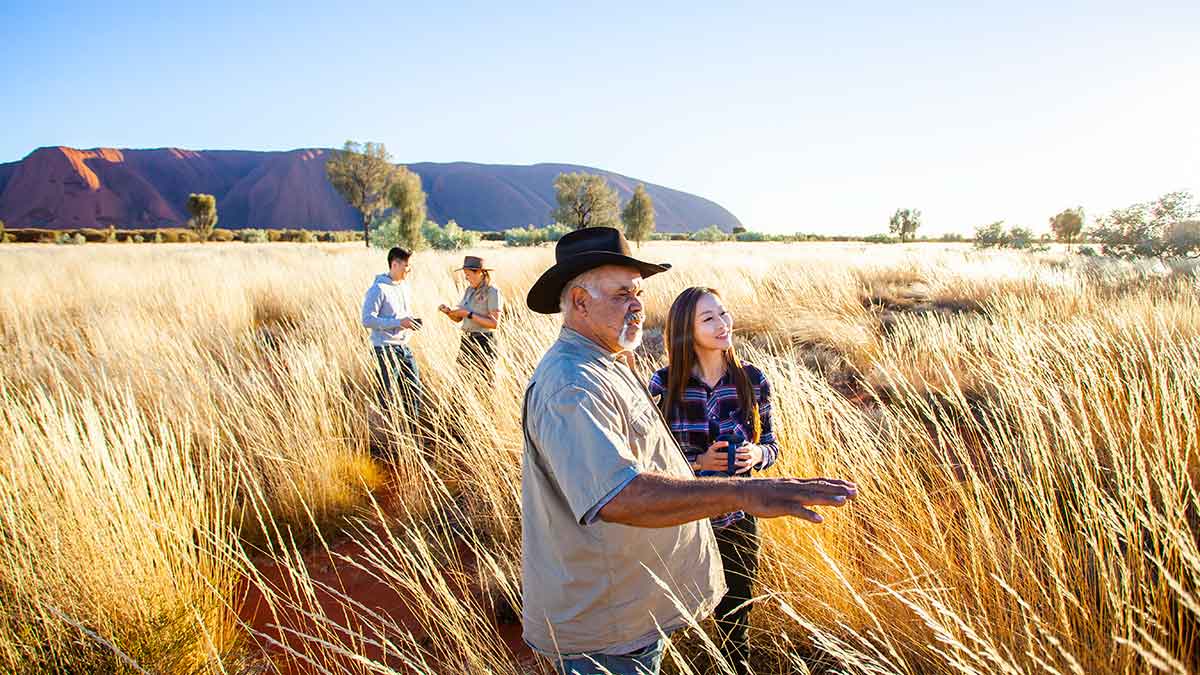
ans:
(482, 301)
(588, 585)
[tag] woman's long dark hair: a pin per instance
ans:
(680, 338)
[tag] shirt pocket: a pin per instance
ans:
(641, 423)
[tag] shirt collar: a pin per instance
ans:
(693, 379)
(575, 339)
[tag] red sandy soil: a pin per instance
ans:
(330, 568)
(357, 584)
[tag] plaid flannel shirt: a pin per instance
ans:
(705, 409)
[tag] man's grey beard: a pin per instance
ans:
(631, 342)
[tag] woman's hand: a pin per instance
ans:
(716, 458)
(748, 457)
(444, 309)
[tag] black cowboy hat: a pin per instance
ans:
(578, 252)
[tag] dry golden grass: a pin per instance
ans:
(1024, 430)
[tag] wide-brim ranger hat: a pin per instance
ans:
(578, 252)
(476, 263)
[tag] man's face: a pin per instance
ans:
(616, 316)
(398, 270)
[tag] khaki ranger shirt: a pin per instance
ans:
(482, 301)
(588, 585)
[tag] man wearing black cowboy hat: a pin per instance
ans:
(610, 508)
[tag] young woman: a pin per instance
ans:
(707, 392)
(479, 314)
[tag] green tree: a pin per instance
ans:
(585, 200)
(991, 235)
(638, 216)
(3, 236)
(1142, 230)
(1067, 224)
(1182, 239)
(904, 223)
(203, 209)
(362, 173)
(408, 199)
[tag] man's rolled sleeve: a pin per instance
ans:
(581, 436)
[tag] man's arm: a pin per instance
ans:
(657, 500)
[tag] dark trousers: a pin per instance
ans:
(477, 352)
(738, 544)
(399, 378)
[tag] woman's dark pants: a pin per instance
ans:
(477, 352)
(738, 544)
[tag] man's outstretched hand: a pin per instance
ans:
(775, 497)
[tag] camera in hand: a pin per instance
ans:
(416, 323)
(735, 439)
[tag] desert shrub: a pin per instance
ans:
(679, 236)
(306, 237)
(1146, 229)
(138, 238)
(523, 236)
(951, 237)
(710, 234)
(495, 235)
(533, 236)
(991, 235)
(158, 237)
(448, 238)
(739, 230)
(73, 239)
(1020, 237)
(274, 235)
(391, 231)
(660, 236)
(222, 235)
(1182, 239)
(172, 236)
(252, 236)
(555, 231)
(1087, 251)
(880, 239)
(744, 235)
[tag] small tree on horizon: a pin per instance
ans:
(1141, 230)
(1067, 225)
(904, 223)
(203, 209)
(362, 173)
(585, 200)
(408, 199)
(638, 216)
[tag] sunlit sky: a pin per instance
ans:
(795, 116)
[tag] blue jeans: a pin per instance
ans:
(398, 375)
(644, 661)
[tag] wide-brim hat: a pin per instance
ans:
(476, 263)
(578, 252)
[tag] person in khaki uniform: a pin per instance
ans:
(610, 507)
(479, 315)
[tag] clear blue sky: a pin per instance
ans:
(795, 117)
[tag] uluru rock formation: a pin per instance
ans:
(59, 187)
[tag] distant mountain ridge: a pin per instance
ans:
(61, 187)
